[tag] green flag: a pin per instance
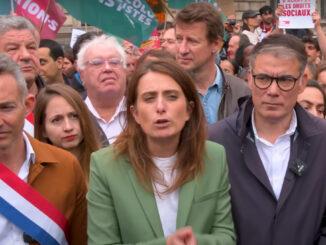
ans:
(132, 20)
(5, 7)
(179, 4)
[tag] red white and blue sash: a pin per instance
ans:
(29, 210)
(29, 124)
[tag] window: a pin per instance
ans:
(323, 9)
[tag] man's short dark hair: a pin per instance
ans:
(266, 9)
(55, 48)
(81, 40)
(312, 40)
(281, 45)
(203, 12)
(68, 53)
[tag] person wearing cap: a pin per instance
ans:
(251, 21)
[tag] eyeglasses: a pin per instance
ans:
(285, 83)
(100, 62)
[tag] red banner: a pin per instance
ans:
(45, 14)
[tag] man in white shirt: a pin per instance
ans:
(276, 152)
(102, 63)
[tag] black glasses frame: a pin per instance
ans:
(276, 79)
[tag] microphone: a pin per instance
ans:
(298, 167)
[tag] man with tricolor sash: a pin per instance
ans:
(42, 188)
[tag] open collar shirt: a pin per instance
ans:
(275, 157)
(115, 125)
(212, 99)
(10, 233)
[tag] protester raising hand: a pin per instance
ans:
(278, 12)
(320, 34)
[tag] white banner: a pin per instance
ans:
(297, 14)
(74, 35)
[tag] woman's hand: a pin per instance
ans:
(183, 236)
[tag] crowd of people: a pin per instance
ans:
(216, 137)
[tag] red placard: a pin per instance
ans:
(45, 14)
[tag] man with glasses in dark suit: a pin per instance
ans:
(275, 151)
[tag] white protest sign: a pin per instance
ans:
(297, 14)
(74, 35)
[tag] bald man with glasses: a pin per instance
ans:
(276, 152)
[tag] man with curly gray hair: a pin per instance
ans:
(20, 39)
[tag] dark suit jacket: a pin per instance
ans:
(298, 217)
(57, 176)
(233, 89)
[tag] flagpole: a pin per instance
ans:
(12, 6)
(46, 12)
(166, 8)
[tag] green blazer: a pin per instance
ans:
(121, 211)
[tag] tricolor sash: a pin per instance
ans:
(29, 210)
(29, 124)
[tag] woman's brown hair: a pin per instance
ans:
(90, 141)
(191, 147)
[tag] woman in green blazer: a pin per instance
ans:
(160, 182)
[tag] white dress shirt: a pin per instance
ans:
(167, 204)
(275, 157)
(10, 233)
(117, 122)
